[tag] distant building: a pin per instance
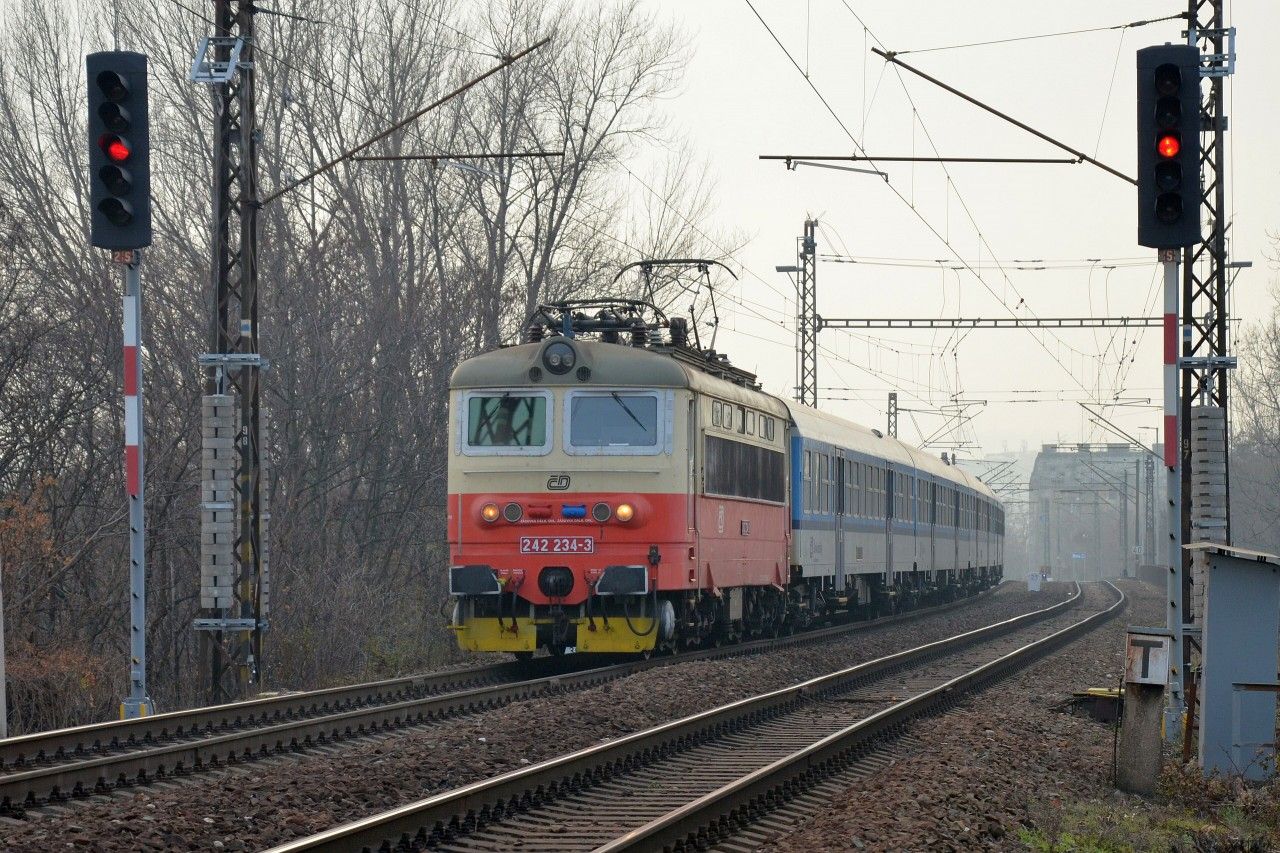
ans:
(1088, 510)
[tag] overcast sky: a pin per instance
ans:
(744, 98)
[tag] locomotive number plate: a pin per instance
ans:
(557, 545)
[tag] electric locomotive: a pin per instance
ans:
(614, 489)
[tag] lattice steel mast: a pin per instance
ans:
(808, 323)
(233, 566)
(1204, 358)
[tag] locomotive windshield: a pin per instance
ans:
(614, 419)
(507, 420)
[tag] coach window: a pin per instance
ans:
(864, 476)
(829, 485)
(715, 413)
(819, 481)
(859, 502)
(849, 507)
(833, 483)
(807, 478)
(616, 422)
(816, 486)
(855, 490)
(502, 423)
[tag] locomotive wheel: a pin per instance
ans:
(523, 657)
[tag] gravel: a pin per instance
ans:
(998, 764)
(268, 802)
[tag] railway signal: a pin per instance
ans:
(120, 220)
(1168, 146)
(119, 150)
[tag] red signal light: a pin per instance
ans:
(1168, 145)
(116, 149)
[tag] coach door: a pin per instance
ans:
(956, 516)
(839, 509)
(931, 492)
(889, 477)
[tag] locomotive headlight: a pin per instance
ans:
(559, 357)
(624, 512)
(490, 512)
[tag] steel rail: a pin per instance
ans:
(733, 806)
(78, 762)
(479, 802)
(39, 748)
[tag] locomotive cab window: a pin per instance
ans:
(505, 422)
(618, 422)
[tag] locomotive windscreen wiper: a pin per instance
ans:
(486, 416)
(626, 409)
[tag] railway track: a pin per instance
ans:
(691, 783)
(65, 764)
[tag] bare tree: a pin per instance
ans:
(376, 279)
(1255, 427)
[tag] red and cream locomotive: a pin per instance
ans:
(614, 489)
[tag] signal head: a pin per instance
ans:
(119, 150)
(1168, 140)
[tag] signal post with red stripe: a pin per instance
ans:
(137, 703)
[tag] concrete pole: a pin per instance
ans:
(1137, 513)
(1097, 536)
(1124, 527)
